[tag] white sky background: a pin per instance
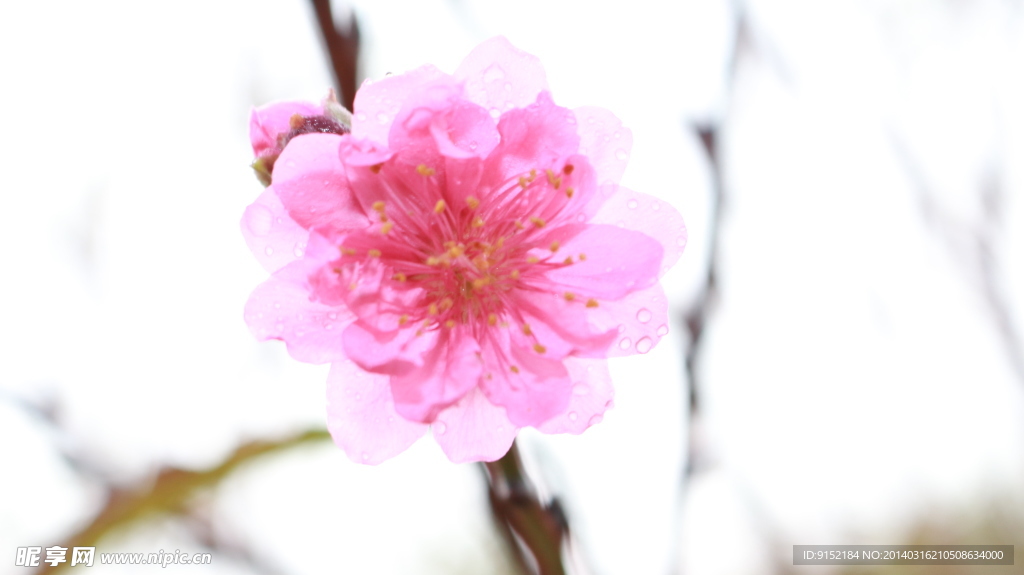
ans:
(855, 369)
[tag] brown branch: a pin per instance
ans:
(342, 49)
(535, 532)
(171, 492)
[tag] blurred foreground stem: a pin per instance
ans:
(534, 531)
(171, 492)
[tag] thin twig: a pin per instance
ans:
(342, 49)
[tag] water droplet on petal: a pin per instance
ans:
(644, 344)
(290, 164)
(662, 330)
(508, 87)
(277, 305)
(366, 456)
(621, 154)
(332, 315)
(328, 326)
(655, 206)
(681, 241)
(472, 145)
(298, 252)
(269, 251)
(361, 117)
(573, 416)
(624, 343)
(440, 428)
(358, 397)
(644, 315)
(581, 218)
(495, 113)
(382, 118)
(493, 73)
(621, 328)
(632, 204)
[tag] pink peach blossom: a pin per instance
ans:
(464, 258)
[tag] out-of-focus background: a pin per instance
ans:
(859, 369)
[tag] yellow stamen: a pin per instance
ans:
(296, 121)
(472, 202)
(433, 261)
(568, 169)
(569, 192)
(378, 207)
(583, 257)
(478, 222)
(403, 320)
(514, 369)
(523, 182)
(376, 168)
(519, 225)
(399, 276)
(532, 260)
(539, 348)
(537, 221)
(481, 282)
(439, 207)
(347, 251)
(591, 302)
(450, 323)
(374, 253)
(492, 319)
(567, 260)
(432, 310)
(569, 296)
(554, 245)
(447, 303)
(386, 227)
(424, 170)
(514, 274)
(526, 329)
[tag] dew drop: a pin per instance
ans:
(624, 343)
(298, 252)
(391, 419)
(656, 206)
(621, 223)
(382, 118)
(643, 316)
(632, 204)
(290, 164)
(617, 135)
(621, 328)
(358, 397)
(366, 456)
(508, 87)
(573, 416)
(361, 117)
(279, 327)
(328, 326)
(472, 145)
(440, 428)
(581, 218)
(277, 305)
(259, 219)
(681, 241)
(269, 251)
(495, 113)
(644, 345)
(662, 330)
(332, 315)
(621, 154)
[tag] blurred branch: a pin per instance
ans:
(534, 532)
(342, 48)
(172, 490)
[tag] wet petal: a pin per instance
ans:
(272, 235)
(605, 142)
(616, 261)
(499, 76)
(361, 415)
(474, 429)
(266, 123)
(378, 102)
(592, 395)
(449, 370)
(654, 217)
(530, 387)
(639, 321)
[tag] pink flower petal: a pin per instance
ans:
(655, 218)
(605, 142)
(378, 102)
(280, 308)
(361, 415)
(539, 136)
(530, 387)
(474, 429)
(266, 123)
(563, 327)
(438, 120)
(272, 235)
(617, 261)
(310, 180)
(592, 395)
(639, 321)
(499, 76)
(391, 352)
(449, 370)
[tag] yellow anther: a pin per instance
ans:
(519, 225)
(479, 283)
(447, 303)
(554, 180)
(387, 227)
(378, 207)
(336, 270)
(492, 319)
(583, 257)
(523, 182)
(374, 253)
(352, 286)
(347, 251)
(526, 329)
(432, 310)
(399, 276)
(591, 302)
(472, 202)
(537, 221)
(532, 260)
(569, 192)
(533, 174)
(568, 169)
(569, 296)
(567, 260)
(539, 348)
(514, 274)
(296, 121)
(433, 261)
(514, 369)
(439, 207)
(450, 323)
(554, 245)
(478, 222)
(403, 320)
(456, 250)
(424, 170)
(376, 168)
